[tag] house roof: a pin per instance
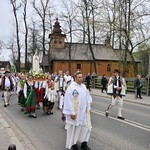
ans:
(80, 51)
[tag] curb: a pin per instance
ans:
(127, 100)
(15, 135)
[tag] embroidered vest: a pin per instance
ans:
(3, 82)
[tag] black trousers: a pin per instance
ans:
(139, 92)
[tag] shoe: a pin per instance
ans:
(141, 98)
(34, 115)
(48, 112)
(8, 104)
(5, 105)
(23, 109)
(106, 113)
(30, 115)
(38, 106)
(84, 146)
(51, 112)
(74, 147)
(120, 117)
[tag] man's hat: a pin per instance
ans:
(6, 72)
(116, 71)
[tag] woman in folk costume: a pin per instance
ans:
(77, 106)
(20, 88)
(30, 95)
(118, 85)
(40, 92)
(50, 95)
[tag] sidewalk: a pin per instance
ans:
(130, 97)
(8, 136)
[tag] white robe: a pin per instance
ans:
(77, 130)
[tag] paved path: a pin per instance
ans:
(7, 128)
(130, 97)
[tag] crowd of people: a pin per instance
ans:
(72, 96)
(69, 92)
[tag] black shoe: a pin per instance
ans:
(120, 117)
(30, 115)
(141, 98)
(84, 146)
(22, 109)
(51, 112)
(106, 113)
(75, 147)
(8, 104)
(5, 105)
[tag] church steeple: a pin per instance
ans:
(56, 29)
(57, 39)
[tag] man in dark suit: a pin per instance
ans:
(88, 80)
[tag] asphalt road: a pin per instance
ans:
(108, 133)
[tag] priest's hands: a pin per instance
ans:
(73, 117)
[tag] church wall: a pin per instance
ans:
(103, 67)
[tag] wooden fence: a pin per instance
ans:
(96, 83)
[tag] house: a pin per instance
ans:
(77, 56)
(4, 65)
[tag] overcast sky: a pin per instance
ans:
(5, 18)
(5, 26)
(5, 12)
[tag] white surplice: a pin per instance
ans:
(79, 129)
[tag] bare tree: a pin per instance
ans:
(16, 7)
(42, 12)
(33, 41)
(69, 15)
(25, 2)
(128, 27)
(88, 10)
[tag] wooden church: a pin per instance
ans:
(77, 56)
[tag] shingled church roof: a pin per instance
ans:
(80, 51)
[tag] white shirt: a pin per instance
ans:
(7, 82)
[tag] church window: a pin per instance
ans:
(108, 68)
(78, 66)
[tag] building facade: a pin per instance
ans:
(77, 56)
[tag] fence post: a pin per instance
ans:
(94, 76)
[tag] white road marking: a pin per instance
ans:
(129, 122)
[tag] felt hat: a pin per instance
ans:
(6, 72)
(116, 71)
